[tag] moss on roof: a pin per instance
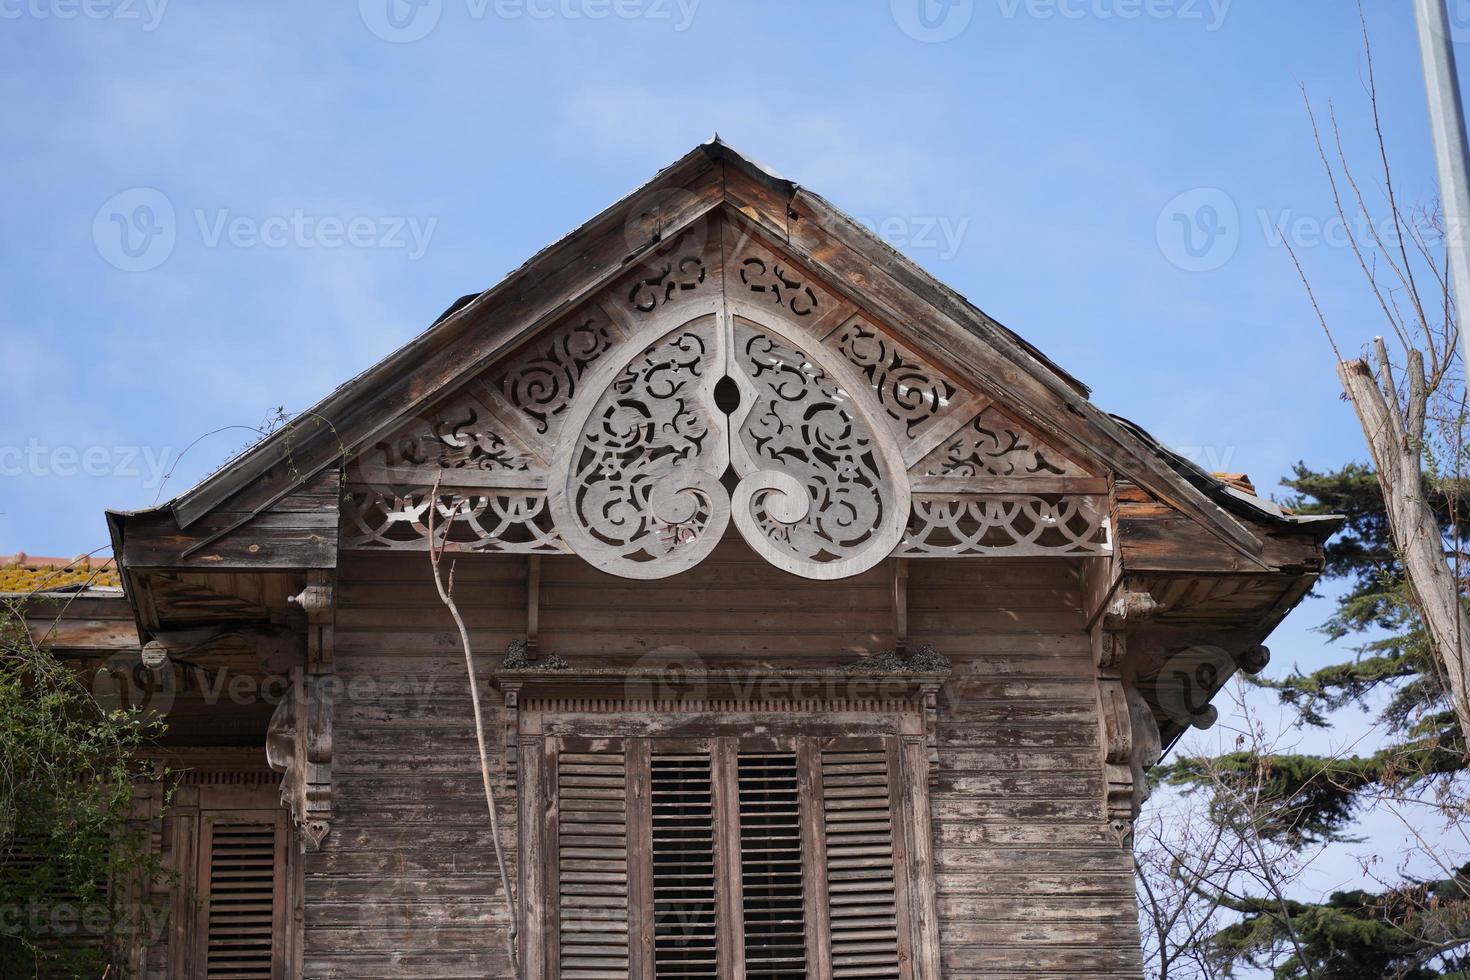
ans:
(23, 574)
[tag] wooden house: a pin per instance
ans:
(824, 628)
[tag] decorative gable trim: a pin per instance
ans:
(959, 341)
(606, 436)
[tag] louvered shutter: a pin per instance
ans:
(772, 897)
(592, 863)
(241, 923)
(683, 835)
(862, 898)
(727, 858)
(41, 881)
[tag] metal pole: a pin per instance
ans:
(1447, 121)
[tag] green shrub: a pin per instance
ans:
(72, 857)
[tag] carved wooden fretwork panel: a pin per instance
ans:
(915, 395)
(822, 494)
(765, 286)
(716, 380)
(951, 526)
(542, 381)
(767, 279)
(517, 521)
(639, 490)
(991, 444)
(672, 273)
(460, 439)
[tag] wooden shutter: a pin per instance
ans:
(862, 900)
(46, 894)
(592, 862)
(242, 898)
(730, 857)
(771, 865)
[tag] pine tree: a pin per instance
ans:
(1413, 930)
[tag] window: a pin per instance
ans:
(236, 898)
(241, 888)
(725, 857)
(226, 910)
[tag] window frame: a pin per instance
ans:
(548, 727)
(272, 821)
(200, 799)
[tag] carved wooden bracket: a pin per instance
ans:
(929, 701)
(1130, 738)
(1129, 609)
(512, 722)
(299, 742)
(1123, 791)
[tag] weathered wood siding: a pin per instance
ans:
(1030, 881)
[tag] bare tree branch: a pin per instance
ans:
(446, 595)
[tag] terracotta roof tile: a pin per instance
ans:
(1237, 480)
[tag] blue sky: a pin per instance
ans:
(335, 183)
(1027, 161)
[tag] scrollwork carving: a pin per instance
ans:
(602, 437)
(992, 445)
(460, 434)
(819, 494)
(544, 380)
(680, 270)
(911, 392)
(397, 519)
(639, 492)
(773, 280)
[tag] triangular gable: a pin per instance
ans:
(837, 444)
(723, 237)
